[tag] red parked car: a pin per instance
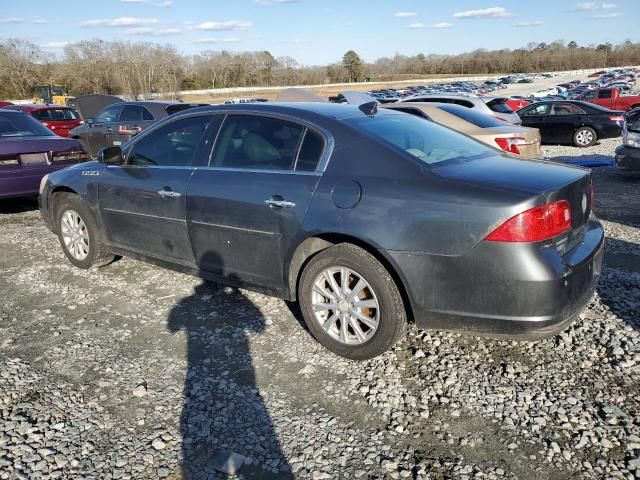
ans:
(57, 118)
(516, 104)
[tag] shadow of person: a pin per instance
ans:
(225, 425)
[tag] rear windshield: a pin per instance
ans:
(472, 116)
(55, 115)
(21, 125)
(499, 106)
(426, 141)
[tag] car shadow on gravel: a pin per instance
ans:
(621, 265)
(17, 205)
(225, 424)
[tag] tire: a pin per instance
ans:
(584, 137)
(69, 208)
(380, 303)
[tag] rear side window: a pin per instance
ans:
(173, 145)
(604, 94)
(566, 109)
(135, 113)
(499, 106)
(310, 152)
(257, 143)
(472, 116)
(426, 141)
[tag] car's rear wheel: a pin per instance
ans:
(350, 303)
(584, 137)
(78, 233)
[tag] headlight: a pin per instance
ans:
(43, 182)
(631, 139)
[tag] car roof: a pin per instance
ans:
(30, 107)
(337, 111)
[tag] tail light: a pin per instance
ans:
(9, 161)
(617, 118)
(69, 156)
(536, 224)
(511, 144)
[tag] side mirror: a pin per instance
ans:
(111, 156)
(90, 121)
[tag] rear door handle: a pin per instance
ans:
(279, 203)
(169, 194)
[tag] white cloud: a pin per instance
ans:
(163, 32)
(230, 26)
(11, 20)
(40, 20)
(155, 3)
(54, 45)
(528, 24)
(607, 15)
(491, 12)
(405, 14)
(442, 25)
(119, 22)
(417, 26)
(586, 6)
(216, 40)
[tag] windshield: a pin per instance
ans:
(21, 125)
(426, 141)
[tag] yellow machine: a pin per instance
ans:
(54, 95)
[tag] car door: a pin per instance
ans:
(564, 119)
(101, 127)
(133, 119)
(143, 202)
(535, 116)
(245, 211)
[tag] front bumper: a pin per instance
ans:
(628, 160)
(522, 291)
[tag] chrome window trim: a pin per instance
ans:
(324, 158)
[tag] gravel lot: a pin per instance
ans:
(136, 372)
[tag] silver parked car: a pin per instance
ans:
(489, 105)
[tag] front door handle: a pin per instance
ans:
(272, 202)
(169, 194)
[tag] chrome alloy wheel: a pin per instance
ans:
(345, 305)
(584, 137)
(74, 234)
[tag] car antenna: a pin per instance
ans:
(369, 108)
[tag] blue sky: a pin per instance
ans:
(320, 31)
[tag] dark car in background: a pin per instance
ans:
(29, 151)
(628, 154)
(572, 122)
(367, 217)
(57, 118)
(118, 122)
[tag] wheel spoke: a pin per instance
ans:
(325, 293)
(330, 322)
(357, 289)
(321, 307)
(357, 330)
(332, 282)
(369, 322)
(344, 280)
(365, 304)
(343, 327)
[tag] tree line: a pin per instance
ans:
(138, 69)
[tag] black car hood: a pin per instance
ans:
(89, 105)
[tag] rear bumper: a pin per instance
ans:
(628, 160)
(524, 291)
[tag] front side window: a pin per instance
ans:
(261, 143)
(172, 145)
(426, 141)
(131, 113)
(108, 115)
(604, 94)
(590, 96)
(534, 110)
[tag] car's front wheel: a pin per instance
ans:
(584, 137)
(350, 302)
(79, 234)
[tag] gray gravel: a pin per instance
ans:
(136, 372)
